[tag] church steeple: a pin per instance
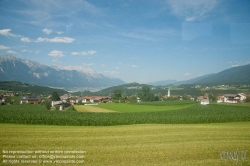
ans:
(168, 91)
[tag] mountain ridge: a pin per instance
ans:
(233, 75)
(17, 69)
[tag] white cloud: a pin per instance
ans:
(91, 52)
(6, 32)
(56, 53)
(186, 74)
(47, 31)
(88, 64)
(11, 52)
(238, 63)
(26, 50)
(56, 40)
(25, 39)
(59, 33)
(110, 73)
(138, 36)
(2, 47)
(191, 10)
(133, 66)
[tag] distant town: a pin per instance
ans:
(133, 93)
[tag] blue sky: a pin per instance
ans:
(135, 40)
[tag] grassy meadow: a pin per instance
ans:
(148, 144)
(123, 107)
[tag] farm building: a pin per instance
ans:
(231, 98)
(30, 99)
(220, 99)
(242, 96)
(204, 101)
(93, 99)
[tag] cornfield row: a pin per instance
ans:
(37, 114)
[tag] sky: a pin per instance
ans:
(134, 40)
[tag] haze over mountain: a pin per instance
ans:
(234, 75)
(16, 69)
(163, 82)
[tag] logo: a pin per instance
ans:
(234, 155)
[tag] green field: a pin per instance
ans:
(158, 133)
(213, 113)
(122, 107)
(179, 144)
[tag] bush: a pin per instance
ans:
(71, 108)
(116, 101)
(248, 99)
(47, 104)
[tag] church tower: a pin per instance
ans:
(168, 92)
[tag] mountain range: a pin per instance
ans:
(17, 69)
(234, 75)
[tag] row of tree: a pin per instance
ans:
(145, 94)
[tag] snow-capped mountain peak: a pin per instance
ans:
(12, 68)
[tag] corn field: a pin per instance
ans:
(196, 114)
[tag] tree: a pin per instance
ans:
(133, 99)
(145, 94)
(212, 97)
(55, 97)
(117, 94)
(157, 98)
(47, 104)
(248, 99)
(8, 100)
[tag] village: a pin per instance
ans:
(68, 100)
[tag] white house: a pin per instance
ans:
(204, 101)
(93, 99)
(220, 99)
(53, 103)
(231, 98)
(242, 96)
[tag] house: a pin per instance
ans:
(62, 105)
(191, 98)
(199, 98)
(30, 99)
(220, 99)
(99, 99)
(58, 103)
(204, 101)
(138, 99)
(231, 98)
(2, 99)
(242, 96)
(54, 103)
(72, 101)
(65, 97)
(93, 99)
(80, 99)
